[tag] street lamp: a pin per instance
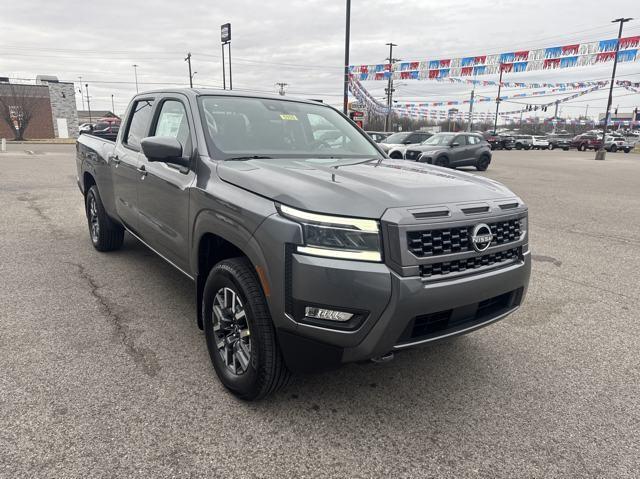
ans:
(600, 154)
(135, 73)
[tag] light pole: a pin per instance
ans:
(345, 102)
(600, 155)
(387, 121)
(135, 73)
(495, 121)
(194, 74)
(81, 94)
(113, 108)
(88, 103)
(188, 60)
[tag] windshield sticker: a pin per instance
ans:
(289, 117)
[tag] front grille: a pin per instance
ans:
(467, 264)
(412, 155)
(428, 243)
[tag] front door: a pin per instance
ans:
(125, 163)
(459, 153)
(163, 190)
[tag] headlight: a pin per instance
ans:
(337, 236)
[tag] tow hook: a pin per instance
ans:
(385, 358)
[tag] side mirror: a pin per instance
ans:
(165, 149)
(455, 143)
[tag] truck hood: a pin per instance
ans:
(365, 189)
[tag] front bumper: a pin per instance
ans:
(401, 311)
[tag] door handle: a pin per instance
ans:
(115, 160)
(143, 171)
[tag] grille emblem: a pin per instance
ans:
(481, 237)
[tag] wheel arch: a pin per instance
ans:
(214, 242)
(88, 181)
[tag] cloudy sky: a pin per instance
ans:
(300, 43)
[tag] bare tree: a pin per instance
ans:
(17, 106)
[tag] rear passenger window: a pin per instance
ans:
(139, 123)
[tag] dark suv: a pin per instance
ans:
(499, 142)
(453, 149)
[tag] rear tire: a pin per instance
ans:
(613, 148)
(582, 147)
(483, 163)
(551, 146)
(240, 335)
(627, 150)
(105, 234)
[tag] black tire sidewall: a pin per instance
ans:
(247, 384)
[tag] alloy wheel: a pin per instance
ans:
(231, 331)
(94, 223)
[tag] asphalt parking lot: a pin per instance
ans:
(104, 372)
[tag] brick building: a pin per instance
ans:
(50, 104)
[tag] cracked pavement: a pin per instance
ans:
(104, 372)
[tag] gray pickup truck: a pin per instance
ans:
(308, 249)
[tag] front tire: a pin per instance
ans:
(441, 161)
(582, 147)
(105, 234)
(239, 332)
(613, 148)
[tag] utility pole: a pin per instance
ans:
(387, 122)
(345, 100)
(282, 87)
(600, 154)
(88, 103)
(135, 73)
(586, 112)
(473, 92)
(188, 60)
(113, 108)
(495, 121)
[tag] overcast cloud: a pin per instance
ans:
(300, 43)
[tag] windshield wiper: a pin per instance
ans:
(251, 157)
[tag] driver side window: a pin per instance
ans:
(173, 122)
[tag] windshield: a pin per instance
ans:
(242, 127)
(441, 139)
(396, 138)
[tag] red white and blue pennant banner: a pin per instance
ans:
(565, 56)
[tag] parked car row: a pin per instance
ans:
(397, 145)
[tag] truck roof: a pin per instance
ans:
(195, 92)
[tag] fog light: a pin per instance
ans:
(328, 314)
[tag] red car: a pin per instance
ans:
(586, 142)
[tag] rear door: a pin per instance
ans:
(126, 161)
(164, 188)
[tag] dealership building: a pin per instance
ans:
(51, 105)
